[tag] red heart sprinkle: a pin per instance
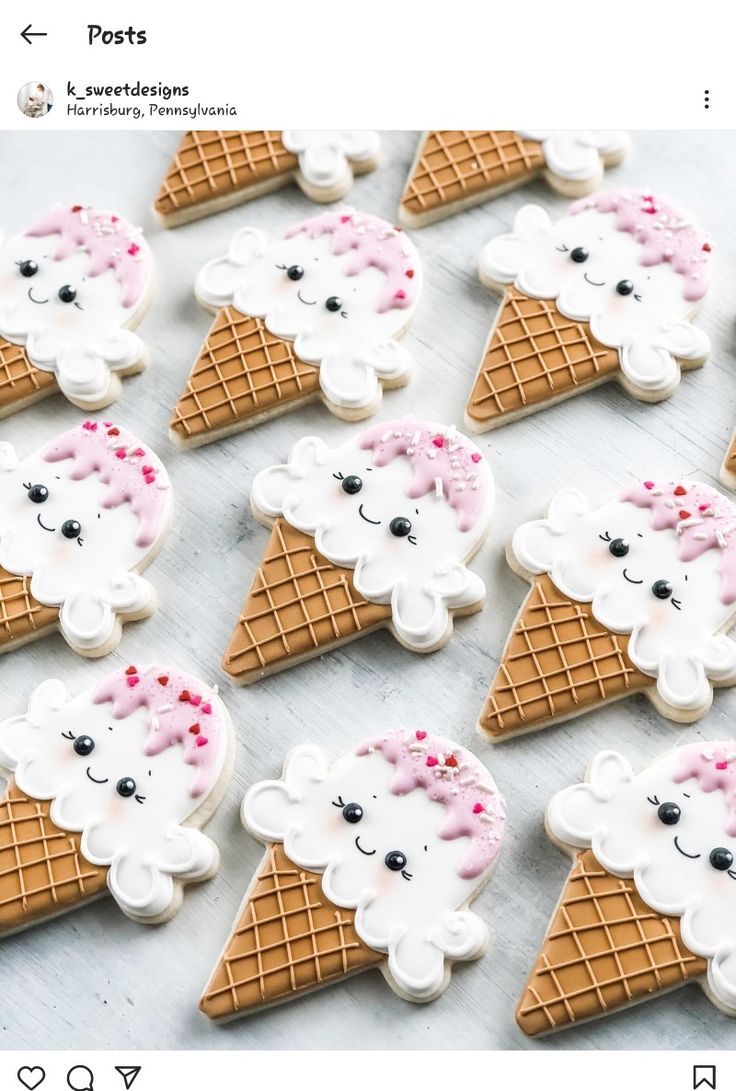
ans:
(648, 484)
(163, 679)
(680, 490)
(194, 729)
(132, 670)
(344, 219)
(113, 432)
(721, 765)
(707, 247)
(431, 761)
(438, 441)
(684, 514)
(451, 761)
(201, 741)
(133, 680)
(421, 735)
(149, 479)
(184, 696)
(206, 708)
(76, 208)
(409, 273)
(476, 456)
(478, 808)
(146, 470)
(120, 453)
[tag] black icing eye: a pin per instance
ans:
(125, 787)
(67, 294)
(721, 859)
(400, 526)
(352, 484)
(352, 812)
(83, 745)
(38, 494)
(71, 528)
(662, 589)
(395, 860)
(624, 287)
(618, 547)
(669, 813)
(28, 268)
(295, 272)
(579, 254)
(333, 303)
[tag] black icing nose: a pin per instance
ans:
(662, 589)
(721, 859)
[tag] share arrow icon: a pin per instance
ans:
(129, 1073)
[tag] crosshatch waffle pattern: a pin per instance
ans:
(212, 164)
(535, 354)
(729, 462)
(42, 870)
(19, 379)
(21, 614)
(290, 938)
(604, 948)
(242, 370)
(299, 603)
(558, 661)
(454, 165)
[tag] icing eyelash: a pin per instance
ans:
(605, 537)
(339, 476)
(407, 875)
(339, 802)
(412, 539)
(653, 800)
(676, 603)
(563, 249)
(70, 736)
(140, 799)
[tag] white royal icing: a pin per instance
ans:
(325, 156)
(615, 813)
(651, 332)
(354, 353)
(683, 649)
(418, 922)
(145, 845)
(423, 579)
(577, 155)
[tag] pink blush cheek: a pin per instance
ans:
(385, 880)
(660, 615)
(596, 560)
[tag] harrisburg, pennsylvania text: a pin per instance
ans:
(150, 109)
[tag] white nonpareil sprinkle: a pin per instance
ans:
(386, 436)
(720, 538)
(415, 438)
(438, 486)
(657, 492)
(162, 709)
(431, 454)
(669, 502)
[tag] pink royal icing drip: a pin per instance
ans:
(373, 242)
(701, 517)
(177, 715)
(453, 776)
(713, 766)
(111, 242)
(435, 453)
(665, 233)
(132, 472)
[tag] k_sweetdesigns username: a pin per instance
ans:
(127, 90)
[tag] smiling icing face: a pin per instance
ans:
(341, 285)
(672, 828)
(406, 830)
(406, 504)
(69, 287)
(659, 564)
(79, 516)
(123, 767)
(630, 264)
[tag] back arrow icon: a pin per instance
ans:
(27, 34)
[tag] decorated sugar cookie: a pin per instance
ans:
(314, 314)
(79, 519)
(372, 861)
(607, 292)
(633, 594)
(73, 286)
(107, 793)
(456, 169)
(215, 170)
(376, 532)
(649, 904)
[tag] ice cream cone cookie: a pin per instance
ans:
(73, 286)
(631, 594)
(215, 170)
(374, 533)
(107, 794)
(79, 520)
(649, 904)
(607, 292)
(371, 861)
(454, 170)
(728, 466)
(315, 314)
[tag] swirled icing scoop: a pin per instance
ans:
(79, 520)
(375, 532)
(73, 286)
(118, 779)
(651, 890)
(390, 845)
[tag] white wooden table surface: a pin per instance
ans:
(94, 979)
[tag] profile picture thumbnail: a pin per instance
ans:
(35, 99)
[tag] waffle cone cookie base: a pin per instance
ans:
(604, 949)
(21, 383)
(558, 663)
(22, 617)
(300, 604)
(243, 373)
(289, 938)
(455, 169)
(42, 871)
(534, 356)
(728, 466)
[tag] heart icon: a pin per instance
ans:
(31, 1077)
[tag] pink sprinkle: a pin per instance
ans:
(133, 249)
(648, 484)
(90, 425)
(478, 808)
(438, 441)
(344, 219)
(146, 470)
(431, 761)
(421, 735)
(201, 741)
(721, 765)
(114, 219)
(476, 457)
(120, 453)
(401, 294)
(703, 507)
(107, 423)
(132, 680)
(195, 699)
(149, 479)
(207, 708)
(139, 452)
